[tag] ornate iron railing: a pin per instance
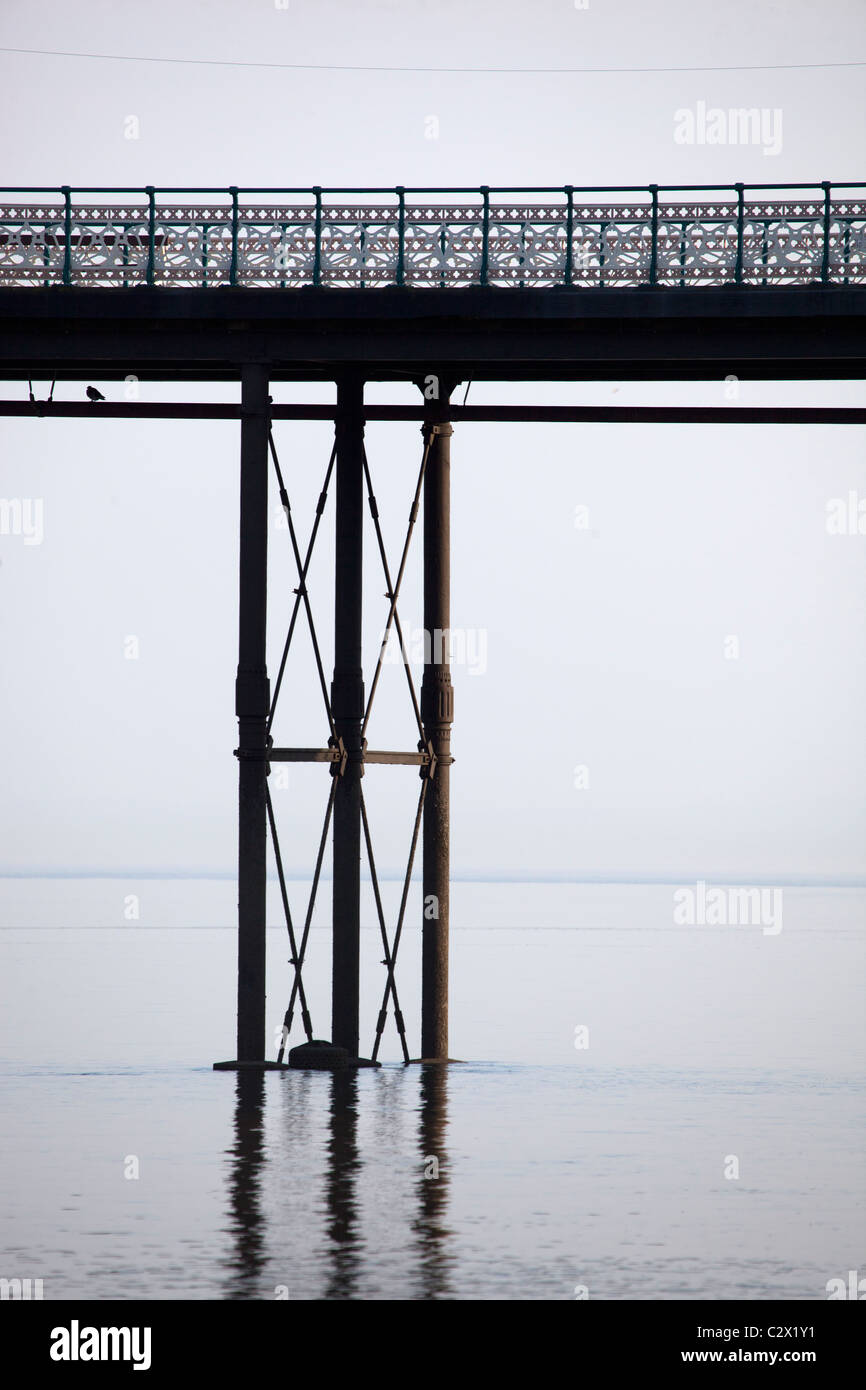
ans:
(436, 238)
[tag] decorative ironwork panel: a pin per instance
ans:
(785, 241)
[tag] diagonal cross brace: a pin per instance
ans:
(301, 594)
(389, 960)
(335, 755)
(295, 958)
(390, 594)
(394, 589)
(336, 752)
(298, 955)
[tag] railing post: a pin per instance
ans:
(654, 249)
(233, 269)
(151, 231)
(401, 235)
(741, 216)
(317, 252)
(67, 234)
(825, 260)
(485, 236)
(569, 233)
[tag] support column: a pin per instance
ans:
(437, 713)
(347, 703)
(252, 702)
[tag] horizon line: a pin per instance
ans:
(623, 878)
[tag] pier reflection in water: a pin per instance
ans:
(338, 1185)
(341, 1181)
(247, 1260)
(430, 1223)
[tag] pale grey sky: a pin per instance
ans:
(605, 647)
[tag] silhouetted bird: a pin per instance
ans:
(94, 395)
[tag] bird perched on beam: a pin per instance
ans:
(94, 395)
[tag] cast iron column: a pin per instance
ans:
(252, 702)
(437, 713)
(347, 702)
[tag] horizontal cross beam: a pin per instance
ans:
(504, 414)
(334, 755)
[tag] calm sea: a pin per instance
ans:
(643, 1110)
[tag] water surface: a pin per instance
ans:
(533, 1170)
